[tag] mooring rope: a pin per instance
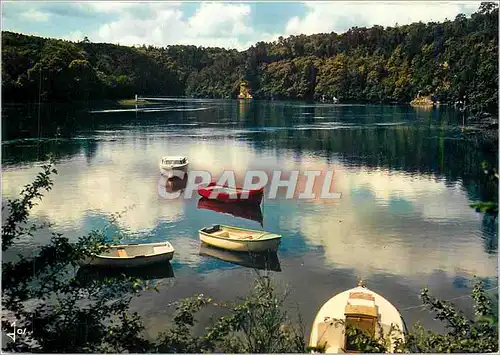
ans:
(448, 300)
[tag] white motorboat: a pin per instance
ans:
(174, 166)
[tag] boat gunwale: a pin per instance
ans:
(269, 235)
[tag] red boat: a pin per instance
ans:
(242, 210)
(225, 193)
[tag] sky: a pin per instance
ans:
(231, 24)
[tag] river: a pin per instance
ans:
(403, 223)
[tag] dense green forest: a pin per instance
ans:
(452, 60)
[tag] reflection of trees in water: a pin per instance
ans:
(410, 149)
(34, 151)
(489, 229)
(90, 148)
(430, 146)
(56, 120)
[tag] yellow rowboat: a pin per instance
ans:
(239, 239)
(359, 307)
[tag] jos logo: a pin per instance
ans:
(16, 332)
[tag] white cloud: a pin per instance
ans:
(74, 36)
(35, 15)
(227, 24)
(107, 6)
(220, 24)
(340, 16)
(215, 19)
(161, 24)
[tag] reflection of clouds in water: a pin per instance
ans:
(351, 244)
(431, 226)
(105, 188)
(217, 157)
(427, 196)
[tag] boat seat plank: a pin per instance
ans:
(361, 296)
(122, 253)
(221, 234)
(360, 310)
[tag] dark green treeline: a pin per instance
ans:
(451, 60)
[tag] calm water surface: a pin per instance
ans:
(403, 222)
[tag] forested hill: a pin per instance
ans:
(451, 59)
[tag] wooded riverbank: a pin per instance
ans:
(453, 60)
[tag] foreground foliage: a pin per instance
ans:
(64, 313)
(456, 60)
(463, 335)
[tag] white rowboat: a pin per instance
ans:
(239, 239)
(358, 306)
(130, 255)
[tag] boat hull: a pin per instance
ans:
(240, 245)
(138, 261)
(132, 258)
(237, 195)
(240, 239)
(174, 171)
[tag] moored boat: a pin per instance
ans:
(242, 210)
(212, 191)
(131, 255)
(358, 307)
(239, 239)
(174, 166)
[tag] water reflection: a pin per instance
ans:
(242, 210)
(174, 183)
(151, 272)
(116, 180)
(489, 227)
(262, 261)
(406, 181)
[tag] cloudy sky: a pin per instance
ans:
(234, 24)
